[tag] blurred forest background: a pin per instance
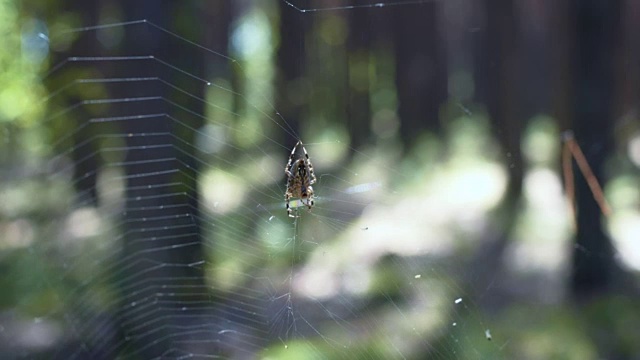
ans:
(440, 92)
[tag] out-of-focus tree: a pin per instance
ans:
(148, 196)
(596, 28)
(291, 66)
(421, 69)
(595, 274)
(24, 50)
(498, 89)
(359, 87)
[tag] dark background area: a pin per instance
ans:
(394, 77)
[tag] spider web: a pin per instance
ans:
(139, 267)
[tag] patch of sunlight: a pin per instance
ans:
(396, 230)
(111, 187)
(218, 109)
(463, 191)
(540, 144)
(332, 268)
(211, 139)
(12, 100)
(323, 278)
(469, 138)
(362, 188)
(31, 196)
(16, 234)
(358, 279)
(294, 349)
(20, 84)
(633, 149)
(329, 147)
(249, 130)
(36, 333)
(544, 228)
(625, 228)
(369, 176)
(226, 274)
(624, 225)
(251, 36)
(623, 193)
(542, 188)
(274, 233)
(221, 191)
(385, 157)
(364, 171)
(262, 170)
(83, 223)
(251, 43)
(434, 294)
(459, 195)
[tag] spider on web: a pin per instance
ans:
(300, 177)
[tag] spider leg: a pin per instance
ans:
(287, 198)
(307, 161)
(312, 174)
(286, 201)
(293, 153)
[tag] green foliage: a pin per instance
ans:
(19, 70)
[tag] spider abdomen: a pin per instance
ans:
(300, 177)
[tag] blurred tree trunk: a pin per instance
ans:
(628, 67)
(498, 88)
(86, 155)
(562, 44)
(215, 35)
(597, 33)
(291, 65)
(534, 37)
(421, 73)
(189, 21)
(161, 225)
(359, 103)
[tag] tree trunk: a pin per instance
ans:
(596, 35)
(162, 237)
(421, 74)
(359, 53)
(498, 88)
(291, 65)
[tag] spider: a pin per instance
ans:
(300, 177)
